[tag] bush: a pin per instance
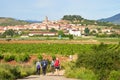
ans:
(9, 72)
(40, 57)
(1, 56)
(70, 36)
(71, 71)
(23, 57)
(6, 74)
(114, 75)
(23, 74)
(15, 71)
(27, 70)
(101, 60)
(9, 57)
(17, 58)
(80, 73)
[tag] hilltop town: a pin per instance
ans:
(51, 28)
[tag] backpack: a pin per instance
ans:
(44, 64)
(56, 63)
(52, 63)
(38, 66)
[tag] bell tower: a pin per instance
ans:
(46, 19)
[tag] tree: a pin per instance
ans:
(9, 32)
(75, 19)
(53, 30)
(70, 36)
(86, 31)
(61, 33)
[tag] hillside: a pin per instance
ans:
(4, 21)
(77, 19)
(114, 19)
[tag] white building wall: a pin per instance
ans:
(75, 33)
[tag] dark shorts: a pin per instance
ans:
(57, 67)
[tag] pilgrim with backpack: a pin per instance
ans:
(38, 66)
(52, 66)
(44, 66)
(57, 66)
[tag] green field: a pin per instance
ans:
(48, 48)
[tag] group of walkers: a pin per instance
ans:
(54, 65)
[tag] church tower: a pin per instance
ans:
(46, 19)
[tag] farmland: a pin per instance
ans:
(28, 51)
(54, 48)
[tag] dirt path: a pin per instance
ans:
(49, 76)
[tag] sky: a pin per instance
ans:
(56, 9)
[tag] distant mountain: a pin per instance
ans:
(5, 21)
(114, 19)
(33, 21)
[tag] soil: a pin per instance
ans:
(48, 76)
(51, 41)
(34, 58)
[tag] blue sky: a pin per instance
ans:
(56, 9)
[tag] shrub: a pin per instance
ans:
(23, 74)
(114, 75)
(70, 36)
(101, 60)
(70, 73)
(9, 57)
(17, 58)
(15, 71)
(40, 57)
(1, 56)
(9, 72)
(6, 74)
(23, 57)
(27, 70)
(80, 73)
